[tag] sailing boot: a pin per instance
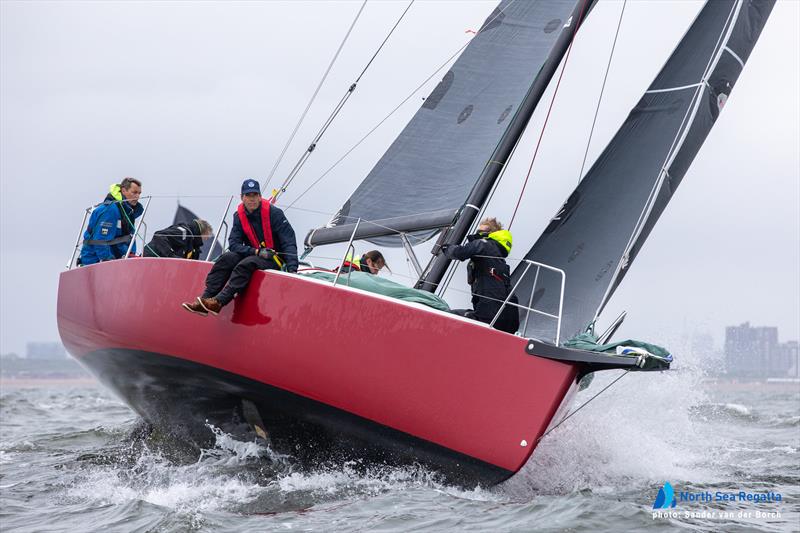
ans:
(195, 307)
(211, 305)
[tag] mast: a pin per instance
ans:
(436, 268)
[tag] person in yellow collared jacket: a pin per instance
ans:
(488, 274)
(111, 226)
(371, 263)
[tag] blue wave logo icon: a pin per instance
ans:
(665, 498)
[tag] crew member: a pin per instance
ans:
(183, 240)
(111, 225)
(488, 274)
(370, 263)
(261, 238)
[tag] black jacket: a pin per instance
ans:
(179, 240)
(489, 277)
(282, 236)
(358, 265)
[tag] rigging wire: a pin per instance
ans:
(602, 90)
(393, 111)
(584, 404)
(371, 131)
(296, 169)
(313, 96)
(549, 109)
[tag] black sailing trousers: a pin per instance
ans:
(231, 273)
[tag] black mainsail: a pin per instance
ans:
(462, 135)
(602, 226)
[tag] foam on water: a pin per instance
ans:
(640, 430)
(235, 451)
(194, 488)
(600, 470)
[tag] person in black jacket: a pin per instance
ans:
(182, 240)
(488, 275)
(370, 263)
(261, 238)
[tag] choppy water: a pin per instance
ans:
(76, 459)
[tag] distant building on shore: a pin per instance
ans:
(44, 361)
(754, 352)
(45, 350)
(790, 352)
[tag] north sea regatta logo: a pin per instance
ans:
(766, 504)
(665, 498)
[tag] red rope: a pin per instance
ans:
(549, 109)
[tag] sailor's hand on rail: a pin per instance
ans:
(445, 249)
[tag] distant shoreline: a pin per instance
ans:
(46, 382)
(739, 384)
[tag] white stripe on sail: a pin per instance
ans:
(681, 88)
(736, 57)
(676, 147)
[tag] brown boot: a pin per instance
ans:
(210, 304)
(195, 308)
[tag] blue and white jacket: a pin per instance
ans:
(110, 229)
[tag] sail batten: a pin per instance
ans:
(604, 223)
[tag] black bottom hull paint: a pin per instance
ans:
(182, 398)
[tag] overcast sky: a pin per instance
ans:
(191, 97)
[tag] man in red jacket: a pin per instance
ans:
(261, 238)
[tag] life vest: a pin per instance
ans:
(501, 237)
(250, 233)
(493, 267)
(125, 225)
(354, 264)
(115, 195)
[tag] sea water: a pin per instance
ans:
(74, 458)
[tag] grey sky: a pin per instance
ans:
(191, 97)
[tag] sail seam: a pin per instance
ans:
(676, 147)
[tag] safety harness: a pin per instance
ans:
(503, 238)
(114, 195)
(250, 233)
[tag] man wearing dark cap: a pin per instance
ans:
(261, 238)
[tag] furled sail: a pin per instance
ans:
(424, 178)
(602, 226)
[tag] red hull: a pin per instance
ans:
(433, 376)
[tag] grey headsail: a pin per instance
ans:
(424, 178)
(601, 227)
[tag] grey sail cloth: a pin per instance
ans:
(602, 226)
(437, 159)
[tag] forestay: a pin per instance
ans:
(600, 229)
